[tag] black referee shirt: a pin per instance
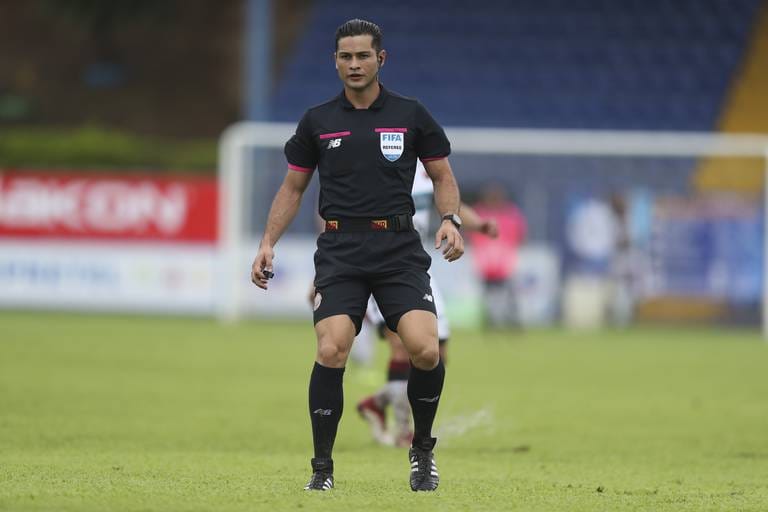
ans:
(366, 157)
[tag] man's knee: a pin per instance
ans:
(334, 340)
(332, 354)
(426, 357)
(418, 330)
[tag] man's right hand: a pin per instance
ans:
(262, 261)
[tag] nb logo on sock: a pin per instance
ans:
(323, 412)
(433, 399)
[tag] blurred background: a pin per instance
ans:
(118, 192)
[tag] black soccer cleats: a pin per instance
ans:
(424, 476)
(322, 475)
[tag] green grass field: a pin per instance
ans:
(152, 414)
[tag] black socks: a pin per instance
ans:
(326, 402)
(424, 389)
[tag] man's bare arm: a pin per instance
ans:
(284, 208)
(447, 198)
(447, 201)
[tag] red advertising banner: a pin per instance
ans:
(72, 206)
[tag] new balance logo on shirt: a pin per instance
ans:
(334, 143)
(427, 297)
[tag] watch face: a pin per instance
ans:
(453, 218)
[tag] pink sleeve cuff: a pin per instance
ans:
(300, 169)
(433, 158)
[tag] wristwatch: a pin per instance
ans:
(453, 218)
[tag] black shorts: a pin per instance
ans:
(392, 266)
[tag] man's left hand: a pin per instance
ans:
(454, 247)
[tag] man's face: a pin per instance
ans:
(357, 61)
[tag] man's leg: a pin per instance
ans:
(400, 355)
(394, 393)
(398, 373)
(335, 335)
(407, 304)
(418, 331)
(373, 408)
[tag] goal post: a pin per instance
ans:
(235, 161)
(245, 147)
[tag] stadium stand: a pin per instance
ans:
(746, 111)
(596, 64)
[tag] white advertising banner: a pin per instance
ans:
(98, 276)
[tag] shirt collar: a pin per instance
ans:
(376, 105)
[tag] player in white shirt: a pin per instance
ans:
(395, 392)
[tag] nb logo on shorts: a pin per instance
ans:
(427, 297)
(323, 412)
(334, 143)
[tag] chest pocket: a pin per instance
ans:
(334, 150)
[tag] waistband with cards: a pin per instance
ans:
(403, 222)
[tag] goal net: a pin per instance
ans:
(621, 226)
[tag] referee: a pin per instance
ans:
(365, 143)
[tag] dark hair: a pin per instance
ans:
(358, 27)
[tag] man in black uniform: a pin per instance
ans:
(365, 143)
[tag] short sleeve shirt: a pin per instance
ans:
(366, 158)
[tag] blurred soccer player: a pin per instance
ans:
(496, 259)
(365, 143)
